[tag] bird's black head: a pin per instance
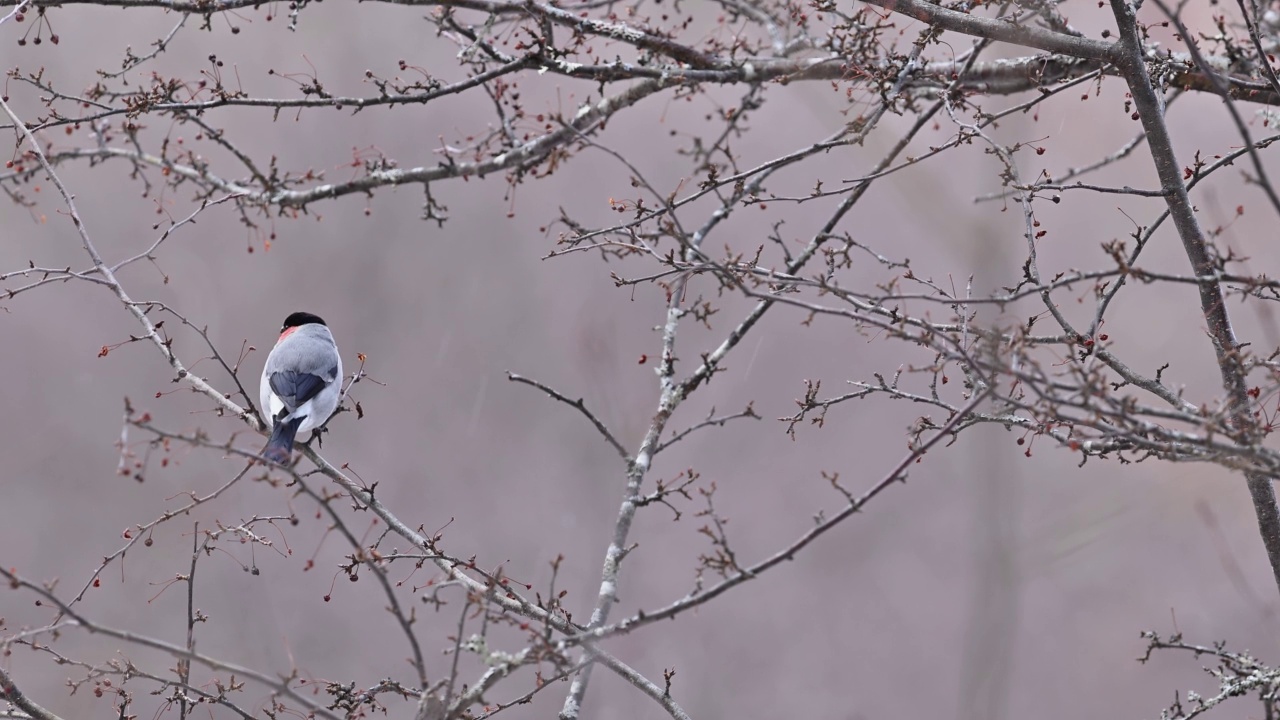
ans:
(301, 318)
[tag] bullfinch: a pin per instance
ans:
(301, 383)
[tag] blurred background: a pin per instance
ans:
(999, 581)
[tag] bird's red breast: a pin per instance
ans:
(287, 332)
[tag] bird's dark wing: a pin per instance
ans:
(295, 388)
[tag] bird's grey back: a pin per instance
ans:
(309, 349)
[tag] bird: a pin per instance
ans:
(301, 383)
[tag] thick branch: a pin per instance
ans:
(10, 692)
(1212, 301)
(993, 29)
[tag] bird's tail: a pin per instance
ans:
(279, 448)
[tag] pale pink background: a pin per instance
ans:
(991, 585)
